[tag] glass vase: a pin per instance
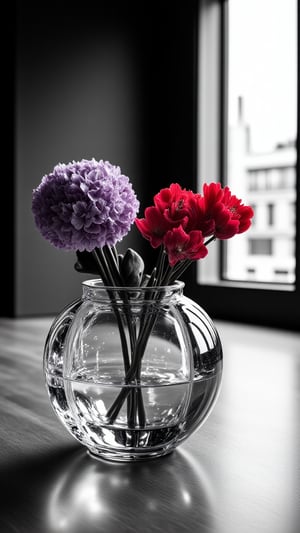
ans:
(132, 372)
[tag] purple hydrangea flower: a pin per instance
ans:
(84, 205)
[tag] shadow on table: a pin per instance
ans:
(68, 491)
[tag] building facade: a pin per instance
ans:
(267, 181)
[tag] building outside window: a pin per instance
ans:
(247, 135)
(262, 130)
(270, 214)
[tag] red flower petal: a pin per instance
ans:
(226, 211)
(153, 227)
(212, 193)
(227, 230)
(181, 245)
(165, 197)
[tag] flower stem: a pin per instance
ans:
(141, 409)
(109, 267)
(211, 239)
(135, 369)
(160, 265)
(113, 266)
(105, 277)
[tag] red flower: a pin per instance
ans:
(165, 197)
(180, 219)
(172, 208)
(154, 226)
(174, 202)
(213, 193)
(225, 214)
(242, 213)
(180, 245)
(225, 226)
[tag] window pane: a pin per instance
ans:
(260, 247)
(262, 131)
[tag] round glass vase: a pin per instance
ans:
(132, 372)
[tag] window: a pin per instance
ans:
(260, 246)
(270, 215)
(262, 123)
(266, 288)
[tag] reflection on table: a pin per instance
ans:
(239, 473)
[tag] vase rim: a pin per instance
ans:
(97, 284)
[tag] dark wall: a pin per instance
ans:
(114, 82)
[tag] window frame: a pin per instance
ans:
(272, 305)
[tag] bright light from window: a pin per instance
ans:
(262, 129)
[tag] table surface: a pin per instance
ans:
(238, 473)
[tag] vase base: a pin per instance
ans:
(128, 457)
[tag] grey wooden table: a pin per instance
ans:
(239, 473)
